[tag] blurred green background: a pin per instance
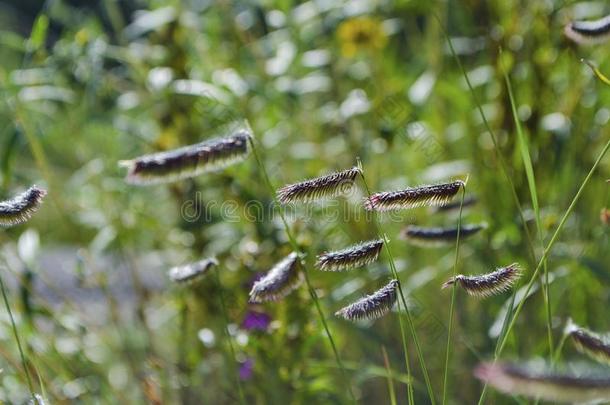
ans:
(88, 83)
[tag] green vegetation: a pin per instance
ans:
(406, 93)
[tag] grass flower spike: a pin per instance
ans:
(589, 32)
(592, 344)
(188, 161)
(351, 257)
(431, 195)
(332, 185)
(20, 208)
(486, 285)
(425, 236)
(280, 281)
(192, 271)
(544, 384)
(372, 306)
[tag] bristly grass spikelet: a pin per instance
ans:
(192, 271)
(431, 195)
(329, 186)
(544, 384)
(589, 32)
(188, 161)
(486, 285)
(280, 281)
(372, 306)
(433, 236)
(351, 257)
(20, 208)
(590, 343)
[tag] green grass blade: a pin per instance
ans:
(523, 144)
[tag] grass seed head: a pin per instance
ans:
(589, 32)
(20, 208)
(432, 236)
(428, 195)
(372, 306)
(325, 187)
(350, 257)
(590, 343)
(546, 384)
(191, 272)
(280, 281)
(188, 161)
(486, 285)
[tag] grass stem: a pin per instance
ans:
(17, 339)
(299, 251)
(453, 294)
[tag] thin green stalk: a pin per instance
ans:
(16, 333)
(529, 171)
(386, 362)
(503, 168)
(410, 323)
(297, 249)
(453, 294)
(494, 139)
(403, 334)
(183, 346)
(502, 342)
(223, 307)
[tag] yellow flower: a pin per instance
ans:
(361, 34)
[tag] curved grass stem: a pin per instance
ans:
(225, 315)
(18, 340)
(453, 294)
(503, 339)
(410, 323)
(299, 251)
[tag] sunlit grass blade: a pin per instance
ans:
(542, 383)
(597, 72)
(188, 161)
(350, 257)
(20, 208)
(430, 195)
(329, 186)
(372, 306)
(502, 340)
(531, 183)
(390, 378)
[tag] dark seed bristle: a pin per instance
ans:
(590, 343)
(280, 281)
(589, 32)
(20, 208)
(329, 186)
(485, 285)
(546, 384)
(426, 236)
(351, 257)
(188, 161)
(372, 306)
(431, 195)
(192, 271)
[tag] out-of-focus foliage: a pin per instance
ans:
(87, 84)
